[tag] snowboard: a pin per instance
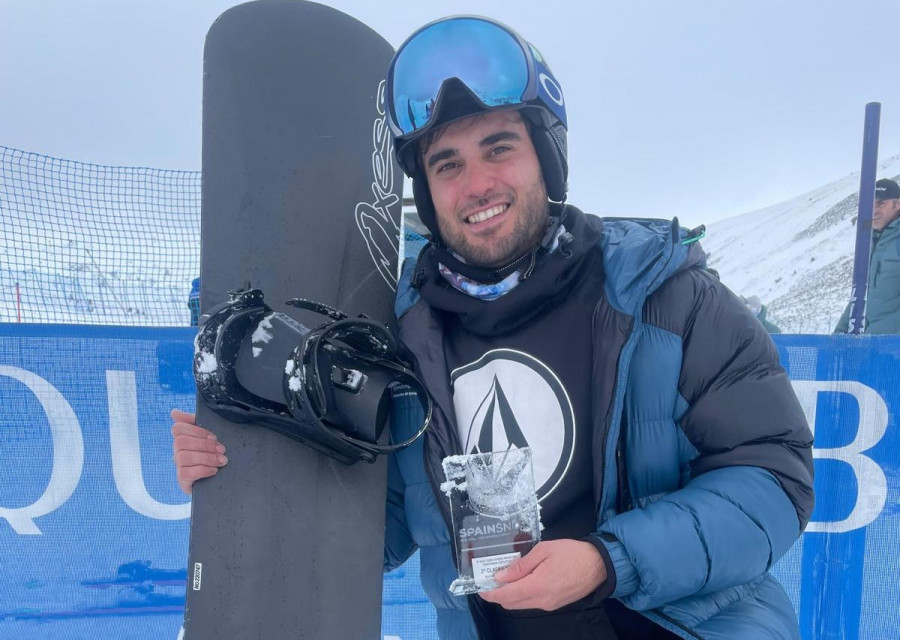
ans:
(300, 198)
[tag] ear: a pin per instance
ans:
(550, 144)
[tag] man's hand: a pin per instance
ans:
(552, 575)
(198, 453)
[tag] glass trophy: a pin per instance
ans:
(494, 513)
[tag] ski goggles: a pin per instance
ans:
(494, 63)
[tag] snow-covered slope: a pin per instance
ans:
(796, 256)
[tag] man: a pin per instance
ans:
(672, 458)
(758, 309)
(194, 302)
(882, 313)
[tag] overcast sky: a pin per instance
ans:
(695, 108)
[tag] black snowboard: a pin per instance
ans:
(300, 198)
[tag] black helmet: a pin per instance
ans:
(463, 65)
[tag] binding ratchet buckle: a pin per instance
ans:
(337, 383)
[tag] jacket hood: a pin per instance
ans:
(639, 254)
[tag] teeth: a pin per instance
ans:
(487, 214)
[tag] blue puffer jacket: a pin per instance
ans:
(702, 455)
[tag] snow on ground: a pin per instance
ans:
(796, 256)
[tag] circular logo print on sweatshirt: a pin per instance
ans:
(508, 398)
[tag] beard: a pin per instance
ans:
(528, 230)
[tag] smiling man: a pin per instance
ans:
(671, 458)
(882, 312)
(483, 171)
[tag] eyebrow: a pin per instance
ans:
(494, 138)
(440, 156)
(500, 136)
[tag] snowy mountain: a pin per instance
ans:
(796, 256)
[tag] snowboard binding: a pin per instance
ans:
(337, 382)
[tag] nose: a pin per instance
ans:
(479, 180)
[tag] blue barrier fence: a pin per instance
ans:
(93, 528)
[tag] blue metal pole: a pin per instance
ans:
(864, 219)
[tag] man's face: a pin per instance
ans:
(886, 211)
(487, 188)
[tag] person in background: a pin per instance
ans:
(882, 312)
(194, 302)
(758, 309)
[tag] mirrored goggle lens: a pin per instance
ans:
(486, 58)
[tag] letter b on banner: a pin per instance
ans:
(871, 483)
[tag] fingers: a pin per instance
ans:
(522, 594)
(185, 424)
(190, 438)
(187, 476)
(193, 457)
(552, 575)
(195, 460)
(183, 416)
(197, 452)
(515, 587)
(187, 429)
(521, 567)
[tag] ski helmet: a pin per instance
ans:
(460, 66)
